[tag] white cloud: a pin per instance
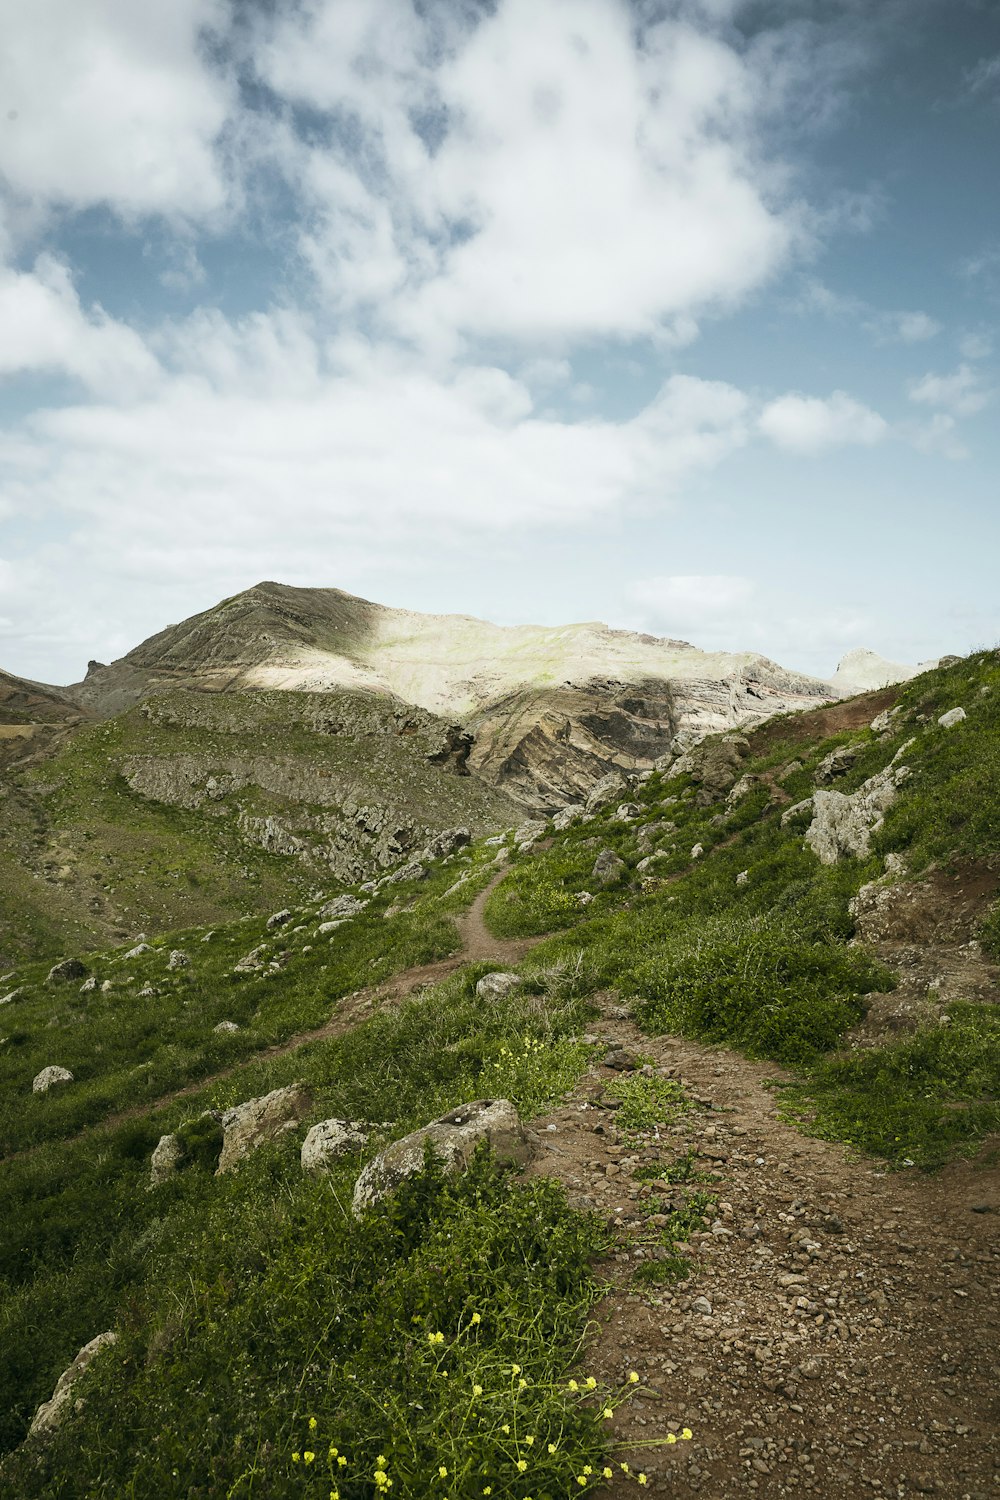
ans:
(983, 77)
(582, 183)
(975, 346)
(46, 329)
(962, 392)
(110, 102)
(679, 596)
(911, 327)
(886, 325)
(808, 424)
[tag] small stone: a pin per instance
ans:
(178, 959)
(498, 986)
(702, 1306)
(697, 851)
(69, 968)
(166, 1158)
(278, 919)
(225, 1028)
(743, 877)
(952, 717)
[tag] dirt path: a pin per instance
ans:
(477, 945)
(847, 1344)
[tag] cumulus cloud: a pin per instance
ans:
(809, 424)
(962, 392)
(113, 103)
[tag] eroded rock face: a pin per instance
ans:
(454, 1138)
(52, 1412)
(842, 826)
(45, 1080)
(249, 1125)
(331, 1139)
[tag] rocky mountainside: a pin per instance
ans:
(32, 717)
(731, 1035)
(553, 709)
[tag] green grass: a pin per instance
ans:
(922, 1100)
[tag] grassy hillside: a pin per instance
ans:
(195, 809)
(442, 1342)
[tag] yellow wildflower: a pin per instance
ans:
(488, 1490)
(435, 1338)
(530, 1439)
(443, 1471)
(476, 1318)
(552, 1448)
(671, 1437)
(334, 1495)
(573, 1386)
(606, 1472)
(522, 1464)
(642, 1479)
(312, 1424)
(686, 1433)
(296, 1457)
(341, 1462)
(505, 1427)
(381, 1462)
(607, 1413)
(515, 1369)
(477, 1390)
(591, 1383)
(308, 1457)
(522, 1385)
(633, 1378)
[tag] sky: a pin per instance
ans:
(683, 315)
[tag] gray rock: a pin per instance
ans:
(325, 927)
(743, 877)
(413, 871)
(107, 986)
(166, 1158)
(952, 717)
(697, 851)
(331, 1139)
(454, 1138)
(498, 986)
(884, 721)
(564, 817)
(89, 985)
(584, 898)
(69, 968)
(278, 919)
(341, 907)
(607, 867)
(52, 1412)
(843, 826)
(53, 1074)
(179, 960)
(147, 992)
(225, 1028)
(249, 1125)
(702, 1306)
(138, 950)
(17, 994)
(252, 961)
(837, 763)
(627, 812)
(603, 791)
(793, 812)
(743, 788)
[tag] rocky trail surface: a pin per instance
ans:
(838, 1332)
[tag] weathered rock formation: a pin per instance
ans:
(52, 1412)
(247, 1126)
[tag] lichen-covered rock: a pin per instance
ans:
(413, 871)
(138, 950)
(340, 908)
(249, 1125)
(795, 810)
(52, 1412)
(454, 1138)
(331, 1139)
(167, 1156)
(445, 843)
(278, 919)
(610, 786)
(528, 834)
(69, 968)
(743, 788)
(837, 763)
(565, 816)
(627, 812)
(49, 1076)
(842, 826)
(251, 962)
(884, 721)
(697, 851)
(498, 986)
(179, 959)
(225, 1028)
(607, 867)
(89, 985)
(17, 994)
(714, 765)
(952, 717)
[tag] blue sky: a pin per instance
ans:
(682, 315)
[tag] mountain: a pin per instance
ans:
(863, 671)
(552, 708)
(32, 716)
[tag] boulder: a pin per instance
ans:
(17, 994)
(89, 985)
(952, 717)
(837, 763)
(249, 1125)
(443, 844)
(714, 765)
(179, 960)
(498, 986)
(697, 851)
(225, 1028)
(883, 722)
(53, 1074)
(138, 950)
(166, 1158)
(743, 877)
(340, 908)
(603, 791)
(627, 812)
(454, 1138)
(412, 871)
(564, 817)
(331, 1139)
(793, 812)
(69, 968)
(743, 788)
(278, 919)
(52, 1412)
(607, 867)
(843, 826)
(584, 898)
(252, 961)
(325, 927)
